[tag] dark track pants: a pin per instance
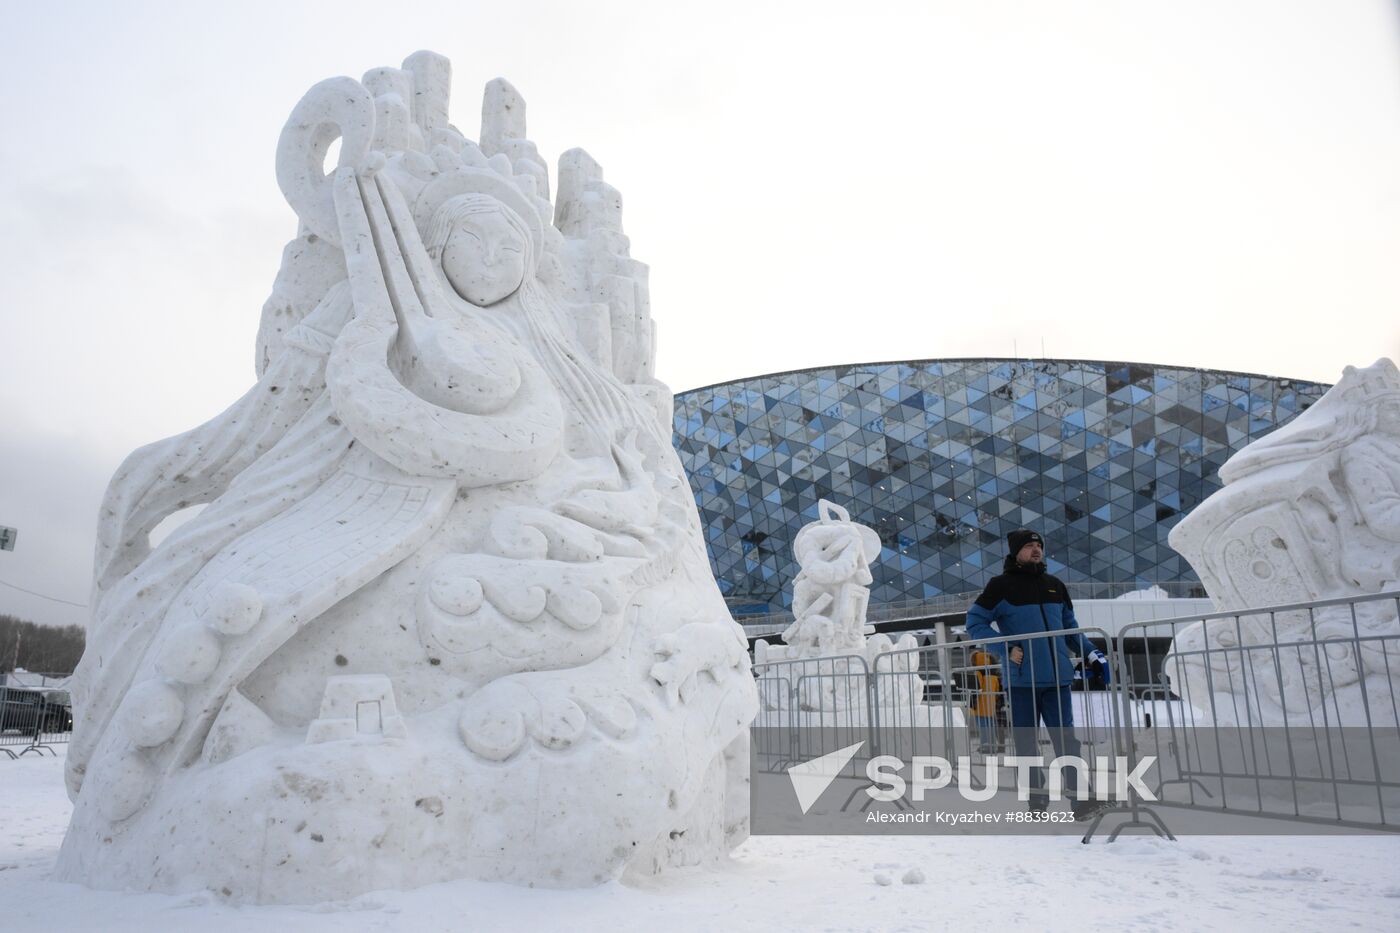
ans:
(1031, 706)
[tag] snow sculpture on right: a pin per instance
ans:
(1310, 512)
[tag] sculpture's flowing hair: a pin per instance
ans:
(596, 394)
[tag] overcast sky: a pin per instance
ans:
(1192, 183)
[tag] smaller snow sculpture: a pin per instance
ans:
(1310, 512)
(832, 590)
(829, 600)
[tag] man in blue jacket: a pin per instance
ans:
(1025, 600)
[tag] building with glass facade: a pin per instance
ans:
(944, 457)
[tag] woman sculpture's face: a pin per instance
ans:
(484, 258)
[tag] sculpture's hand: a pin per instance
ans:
(443, 362)
(326, 320)
(631, 506)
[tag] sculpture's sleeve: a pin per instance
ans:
(196, 467)
(1373, 481)
(311, 267)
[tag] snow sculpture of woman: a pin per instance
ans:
(448, 611)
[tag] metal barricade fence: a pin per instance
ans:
(977, 711)
(31, 722)
(810, 707)
(55, 728)
(19, 720)
(1287, 712)
(952, 700)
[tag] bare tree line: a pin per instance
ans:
(43, 648)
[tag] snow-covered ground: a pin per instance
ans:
(783, 883)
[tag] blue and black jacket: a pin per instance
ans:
(1026, 601)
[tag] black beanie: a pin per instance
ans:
(1020, 538)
